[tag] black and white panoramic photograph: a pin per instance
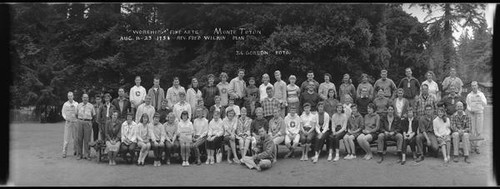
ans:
(251, 94)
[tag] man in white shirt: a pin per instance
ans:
(263, 87)
(137, 94)
(145, 108)
(476, 102)
(69, 114)
(173, 93)
(237, 88)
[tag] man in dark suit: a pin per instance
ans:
(409, 127)
(390, 129)
(122, 104)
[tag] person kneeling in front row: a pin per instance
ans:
(264, 152)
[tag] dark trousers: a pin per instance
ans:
(95, 130)
(412, 142)
(382, 138)
(318, 146)
(124, 149)
(335, 139)
(157, 150)
(215, 144)
(420, 142)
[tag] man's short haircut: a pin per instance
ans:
(137, 77)
(354, 106)
(251, 78)
(157, 77)
(306, 105)
(269, 88)
(211, 76)
(408, 68)
(176, 78)
(425, 85)
(216, 97)
(96, 96)
(310, 71)
(383, 71)
(292, 76)
(107, 95)
(70, 93)
(121, 88)
(265, 75)
(241, 70)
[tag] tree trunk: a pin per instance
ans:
(448, 50)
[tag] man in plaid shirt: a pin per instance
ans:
(423, 99)
(460, 127)
(269, 104)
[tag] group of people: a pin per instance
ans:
(252, 120)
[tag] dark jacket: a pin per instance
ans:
(102, 113)
(113, 130)
(405, 123)
(257, 124)
(266, 148)
(122, 115)
(449, 106)
(396, 124)
(413, 90)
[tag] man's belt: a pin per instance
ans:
(86, 119)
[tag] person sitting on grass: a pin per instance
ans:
(264, 153)
(157, 138)
(370, 131)
(171, 136)
(307, 128)
(293, 123)
(441, 125)
(355, 124)
(113, 135)
(128, 137)
(214, 137)
(230, 123)
(243, 131)
(186, 132)
(143, 138)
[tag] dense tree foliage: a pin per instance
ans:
(76, 47)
